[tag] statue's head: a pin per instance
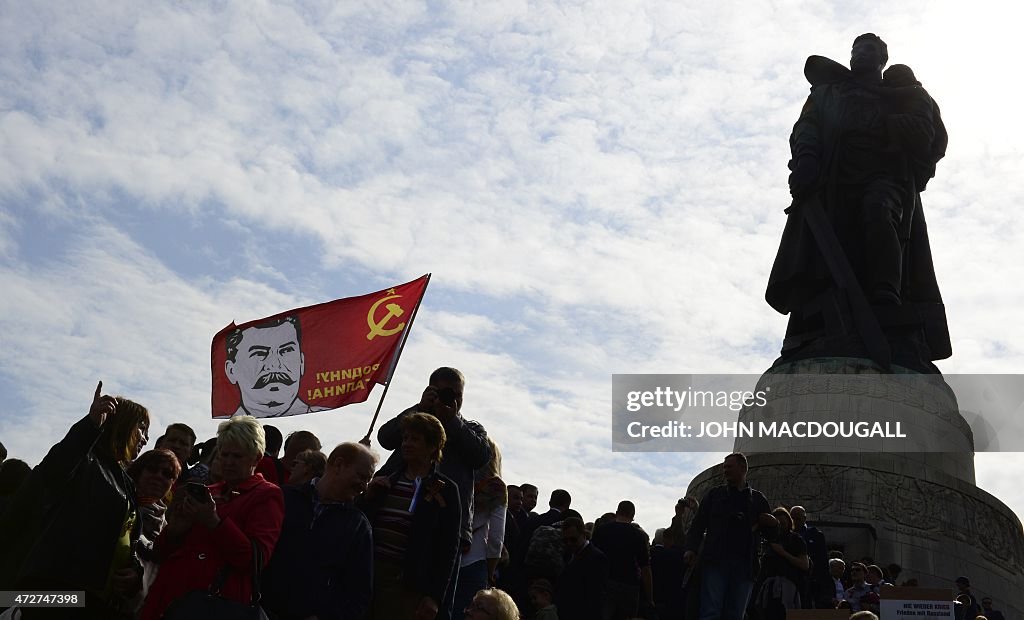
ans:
(869, 53)
(899, 75)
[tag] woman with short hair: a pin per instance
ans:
(492, 604)
(217, 529)
(154, 474)
(308, 464)
(416, 517)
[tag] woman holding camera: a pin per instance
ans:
(214, 531)
(154, 473)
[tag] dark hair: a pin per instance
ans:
(870, 36)
(781, 510)
(858, 566)
(274, 438)
(446, 373)
(151, 459)
(117, 435)
(560, 497)
(315, 460)
(235, 336)
(575, 522)
(204, 449)
(181, 426)
(299, 436)
(526, 486)
(509, 487)
(12, 473)
(626, 508)
(428, 427)
(739, 456)
(876, 570)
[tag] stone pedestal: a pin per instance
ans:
(920, 510)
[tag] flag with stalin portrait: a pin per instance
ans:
(314, 358)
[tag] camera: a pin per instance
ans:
(446, 396)
(198, 491)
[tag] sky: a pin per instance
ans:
(596, 187)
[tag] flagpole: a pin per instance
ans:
(405, 337)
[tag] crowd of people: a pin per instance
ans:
(432, 534)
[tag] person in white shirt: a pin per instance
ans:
(836, 568)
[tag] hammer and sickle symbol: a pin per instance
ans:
(379, 328)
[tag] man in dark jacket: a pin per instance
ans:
(817, 588)
(323, 563)
(726, 525)
(580, 593)
(466, 448)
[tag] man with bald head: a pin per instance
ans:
(323, 563)
(816, 591)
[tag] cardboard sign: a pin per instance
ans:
(916, 603)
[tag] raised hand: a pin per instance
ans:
(102, 406)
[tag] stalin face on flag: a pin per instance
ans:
(314, 358)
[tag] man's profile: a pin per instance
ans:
(266, 362)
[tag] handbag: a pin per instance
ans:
(210, 605)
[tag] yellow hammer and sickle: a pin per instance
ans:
(377, 328)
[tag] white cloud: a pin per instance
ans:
(596, 187)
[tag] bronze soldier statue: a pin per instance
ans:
(854, 268)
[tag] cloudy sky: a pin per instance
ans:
(597, 188)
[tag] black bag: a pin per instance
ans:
(210, 605)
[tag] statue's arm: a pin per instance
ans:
(805, 141)
(805, 146)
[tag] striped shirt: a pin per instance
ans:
(394, 521)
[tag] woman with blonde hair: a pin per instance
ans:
(493, 604)
(490, 503)
(220, 532)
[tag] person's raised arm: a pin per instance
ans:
(469, 439)
(698, 527)
(389, 436)
(62, 459)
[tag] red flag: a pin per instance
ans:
(312, 359)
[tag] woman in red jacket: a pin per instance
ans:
(208, 532)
